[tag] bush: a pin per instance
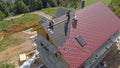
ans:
(2, 15)
(4, 26)
(115, 6)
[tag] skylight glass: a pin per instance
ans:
(81, 40)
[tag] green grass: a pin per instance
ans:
(25, 18)
(107, 2)
(89, 2)
(6, 65)
(50, 11)
(9, 41)
(4, 26)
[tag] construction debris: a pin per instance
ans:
(29, 31)
(23, 57)
(28, 63)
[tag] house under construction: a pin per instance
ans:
(81, 45)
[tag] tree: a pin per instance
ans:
(2, 15)
(4, 8)
(12, 8)
(26, 2)
(22, 8)
(53, 3)
(74, 3)
(44, 2)
(115, 6)
(35, 4)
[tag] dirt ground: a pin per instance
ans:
(113, 58)
(11, 54)
(21, 35)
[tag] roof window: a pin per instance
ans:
(80, 40)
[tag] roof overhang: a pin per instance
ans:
(100, 54)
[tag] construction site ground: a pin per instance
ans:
(11, 54)
(113, 58)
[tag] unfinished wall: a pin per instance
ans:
(41, 31)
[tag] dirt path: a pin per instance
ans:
(9, 18)
(35, 12)
(42, 14)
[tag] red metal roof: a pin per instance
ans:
(96, 24)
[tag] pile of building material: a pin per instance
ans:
(29, 31)
(28, 59)
(28, 63)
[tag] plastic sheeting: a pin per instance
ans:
(28, 63)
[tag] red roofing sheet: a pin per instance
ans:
(96, 24)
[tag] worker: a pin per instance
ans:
(51, 25)
(103, 64)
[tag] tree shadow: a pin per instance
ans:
(66, 28)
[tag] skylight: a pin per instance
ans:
(80, 40)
